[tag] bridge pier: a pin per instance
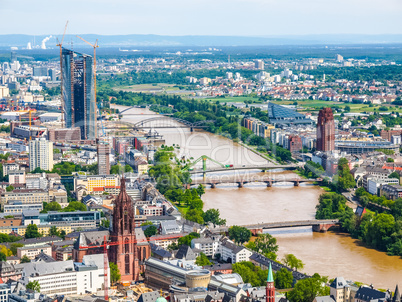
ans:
(213, 186)
(296, 183)
(322, 228)
(191, 129)
(269, 184)
(187, 186)
(240, 184)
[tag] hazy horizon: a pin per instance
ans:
(246, 18)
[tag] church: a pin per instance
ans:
(127, 245)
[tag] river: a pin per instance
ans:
(331, 254)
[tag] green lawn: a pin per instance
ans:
(182, 208)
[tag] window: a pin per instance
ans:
(127, 264)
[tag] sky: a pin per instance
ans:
(201, 17)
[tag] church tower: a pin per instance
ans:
(270, 288)
(124, 254)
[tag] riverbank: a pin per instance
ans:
(332, 254)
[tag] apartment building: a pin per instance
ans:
(32, 252)
(40, 154)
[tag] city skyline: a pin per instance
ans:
(177, 17)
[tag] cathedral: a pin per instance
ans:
(128, 246)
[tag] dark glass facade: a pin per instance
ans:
(78, 93)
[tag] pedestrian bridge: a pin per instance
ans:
(319, 225)
(244, 167)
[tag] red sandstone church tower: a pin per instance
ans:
(270, 288)
(124, 255)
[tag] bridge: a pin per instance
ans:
(213, 182)
(163, 121)
(320, 225)
(244, 167)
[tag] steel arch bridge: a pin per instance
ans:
(166, 122)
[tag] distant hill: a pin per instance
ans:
(21, 41)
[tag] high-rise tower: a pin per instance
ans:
(40, 154)
(78, 92)
(103, 158)
(125, 255)
(270, 288)
(325, 130)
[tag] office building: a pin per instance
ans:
(259, 64)
(103, 159)
(325, 130)
(78, 92)
(39, 71)
(40, 154)
(52, 74)
(68, 277)
(64, 134)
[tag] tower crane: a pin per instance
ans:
(95, 46)
(106, 244)
(60, 44)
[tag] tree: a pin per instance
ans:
(14, 247)
(9, 188)
(239, 234)
(25, 259)
(293, 262)
(283, 278)
(187, 239)
(75, 206)
(202, 260)
(3, 257)
(54, 231)
(116, 169)
(195, 215)
(128, 168)
(250, 273)
(150, 231)
(32, 231)
(105, 223)
(344, 178)
(200, 190)
(266, 244)
(394, 175)
(114, 273)
(51, 206)
(213, 216)
(306, 290)
(33, 285)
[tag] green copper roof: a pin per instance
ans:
(270, 276)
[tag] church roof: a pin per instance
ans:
(270, 276)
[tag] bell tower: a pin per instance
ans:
(124, 254)
(270, 288)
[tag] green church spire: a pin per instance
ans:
(270, 276)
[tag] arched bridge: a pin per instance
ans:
(244, 167)
(242, 181)
(318, 225)
(166, 122)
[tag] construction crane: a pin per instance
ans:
(60, 44)
(106, 246)
(95, 46)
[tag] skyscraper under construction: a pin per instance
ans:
(78, 93)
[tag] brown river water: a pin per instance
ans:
(331, 254)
